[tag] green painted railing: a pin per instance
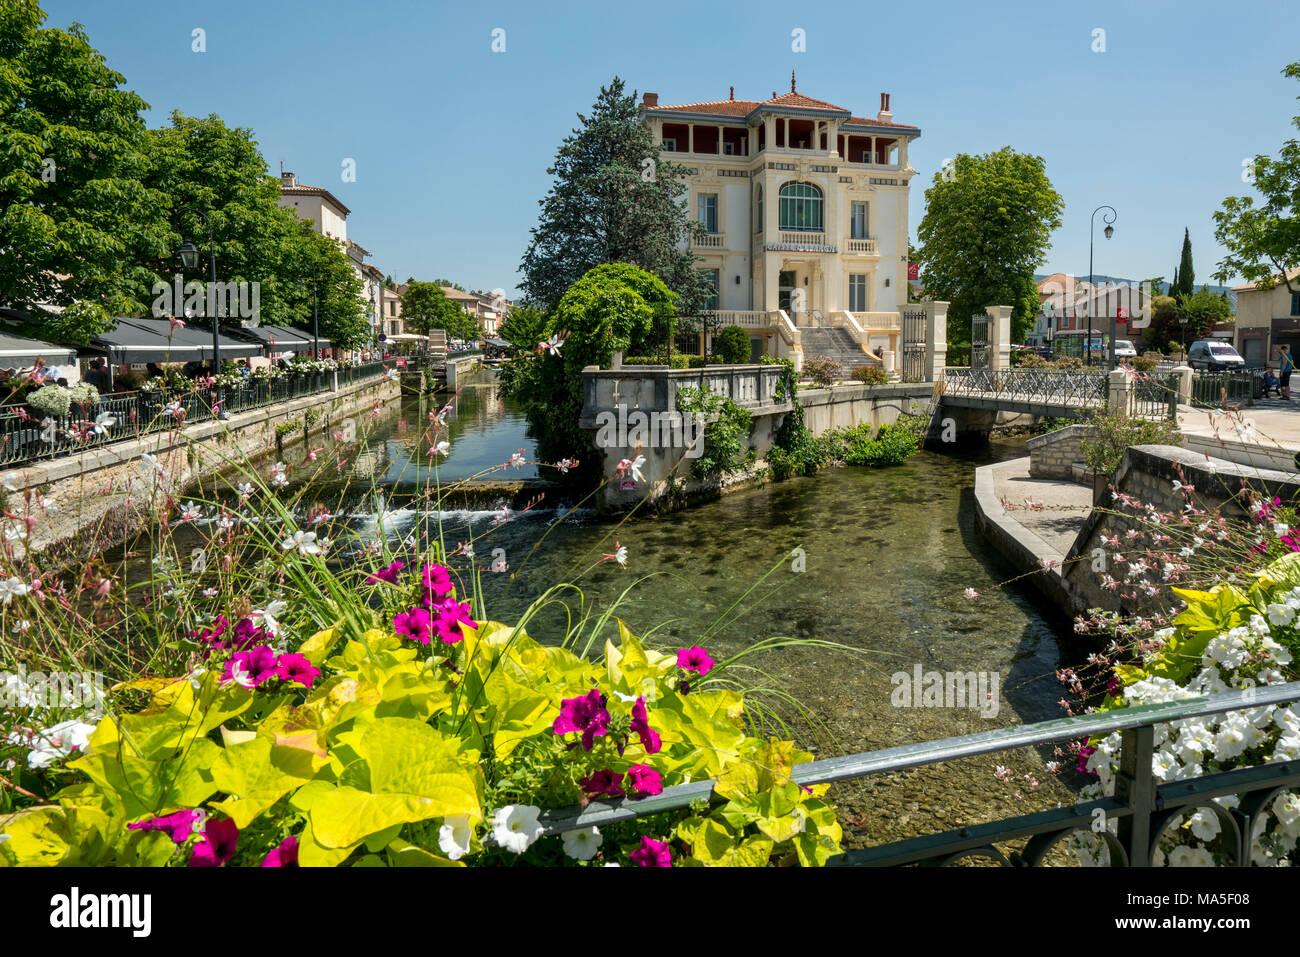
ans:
(1141, 809)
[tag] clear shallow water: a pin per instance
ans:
(888, 554)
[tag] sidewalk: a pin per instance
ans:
(1269, 437)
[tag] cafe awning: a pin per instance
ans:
(153, 340)
(19, 353)
(286, 339)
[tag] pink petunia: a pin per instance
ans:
(643, 779)
(641, 727)
(285, 855)
(179, 824)
(297, 669)
(652, 853)
(387, 573)
(217, 845)
(415, 624)
(435, 582)
(253, 668)
(694, 659)
(587, 715)
(602, 783)
(452, 618)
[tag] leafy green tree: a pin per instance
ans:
(524, 328)
(425, 307)
(985, 230)
(614, 199)
(732, 345)
(610, 308)
(1185, 273)
(1204, 310)
(76, 221)
(449, 284)
(1263, 241)
(1165, 329)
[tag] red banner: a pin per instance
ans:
(913, 271)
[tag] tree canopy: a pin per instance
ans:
(984, 232)
(1263, 241)
(425, 306)
(614, 199)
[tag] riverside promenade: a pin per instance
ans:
(1034, 521)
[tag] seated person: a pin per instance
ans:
(1270, 382)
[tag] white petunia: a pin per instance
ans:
(515, 827)
(455, 835)
(11, 588)
(581, 844)
(1204, 825)
(1183, 856)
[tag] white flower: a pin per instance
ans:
(443, 448)
(455, 835)
(303, 542)
(268, 615)
(190, 513)
(971, 593)
(12, 587)
(515, 827)
(241, 676)
(581, 844)
(103, 422)
(1184, 856)
(517, 460)
(149, 464)
(1280, 528)
(59, 741)
(245, 489)
(636, 468)
(1204, 825)
(278, 478)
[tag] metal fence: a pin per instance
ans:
(1141, 809)
(1223, 388)
(27, 438)
(1080, 387)
(1156, 395)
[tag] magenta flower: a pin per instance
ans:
(252, 668)
(178, 824)
(641, 727)
(694, 659)
(297, 669)
(586, 714)
(414, 624)
(652, 853)
(217, 845)
(436, 582)
(603, 783)
(643, 779)
(286, 855)
(452, 618)
(245, 636)
(387, 574)
(212, 633)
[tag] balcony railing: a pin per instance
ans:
(709, 241)
(877, 321)
(799, 239)
(866, 247)
(745, 318)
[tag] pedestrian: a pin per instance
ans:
(1287, 367)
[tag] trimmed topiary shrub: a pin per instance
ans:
(732, 345)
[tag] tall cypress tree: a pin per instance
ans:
(1186, 276)
(615, 199)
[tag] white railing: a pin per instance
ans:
(745, 318)
(710, 241)
(802, 239)
(864, 246)
(878, 321)
(788, 330)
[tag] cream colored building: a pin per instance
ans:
(805, 208)
(1267, 319)
(314, 203)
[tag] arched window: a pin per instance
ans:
(801, 207)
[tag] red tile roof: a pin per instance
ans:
(742, 108)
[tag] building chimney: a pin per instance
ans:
(288, 179)
(733, 94)
(649, 100)
(884, 115)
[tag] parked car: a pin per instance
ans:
(1124, 349)
(1213, 356)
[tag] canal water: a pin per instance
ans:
(884, 558)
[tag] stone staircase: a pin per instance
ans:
(835, 343)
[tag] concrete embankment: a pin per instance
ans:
(105, 494)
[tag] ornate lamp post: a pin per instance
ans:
(1109, 231)
(190, 259)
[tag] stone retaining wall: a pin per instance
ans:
(1053, 454)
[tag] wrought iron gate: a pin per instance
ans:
(914, 328)
(979, 341)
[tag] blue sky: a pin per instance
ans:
(452, 141)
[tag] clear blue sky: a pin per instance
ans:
(452, 141)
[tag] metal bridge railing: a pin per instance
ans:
(27, 439)
(1141, 808)
(1214, 389)
(1054, 386)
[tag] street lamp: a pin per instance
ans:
(190, 259)
(1182, 325)
(315, 323)
(1109, 231)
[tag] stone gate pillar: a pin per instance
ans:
(999, 337)
(936, 339)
